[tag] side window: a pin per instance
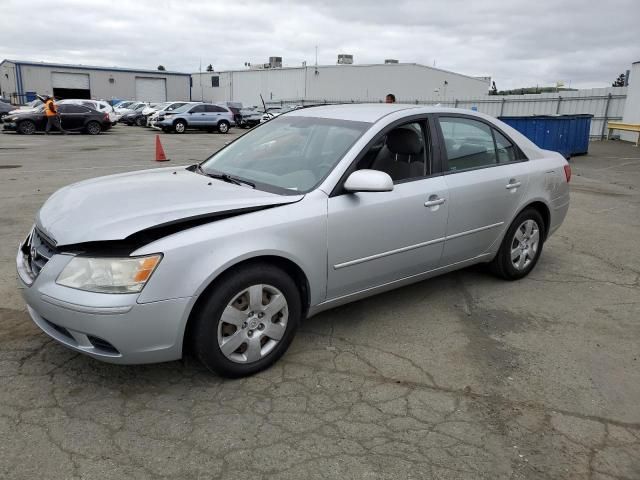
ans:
(217, 109)
(70, 108)
(468, 143)
(198, 109)
(504, 148)
(215, 81)
(402, 153)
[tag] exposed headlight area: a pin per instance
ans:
(109, 275)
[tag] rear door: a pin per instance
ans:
(486, 179)
(72, 116)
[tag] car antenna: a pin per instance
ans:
(263, 104)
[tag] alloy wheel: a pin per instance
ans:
(253, 323)
(524, 245)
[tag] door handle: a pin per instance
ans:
(513, 183)
(434, 201)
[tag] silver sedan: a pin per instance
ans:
(316, 208)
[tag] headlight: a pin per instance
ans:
(109, 275)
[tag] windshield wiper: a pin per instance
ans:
(224, 177)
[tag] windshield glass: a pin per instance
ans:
(289, 154)
(184, 108)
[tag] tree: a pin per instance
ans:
(161, 68)
(619, 81)
(209, 68)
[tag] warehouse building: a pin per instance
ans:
(20, 81)
(344, 82)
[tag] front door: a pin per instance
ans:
(376, 238)
(486, 179)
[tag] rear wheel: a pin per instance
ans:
(223, 126)
(180, 126)
(93, 128)
(26, 127)
(141, 121)
(521, 246)
(248, 321)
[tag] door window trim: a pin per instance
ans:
(429, 135)
(444, 160)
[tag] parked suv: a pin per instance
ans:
(203, 116)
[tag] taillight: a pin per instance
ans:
(106, 117)
(567, 172)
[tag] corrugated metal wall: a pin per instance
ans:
(602, 103)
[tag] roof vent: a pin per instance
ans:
(390, 60)
(275, 62)
(344, 59)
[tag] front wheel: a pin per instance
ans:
(521, 246)
(180, 126)
(223, 127)
(248, 321)
(141, 121)
(26, 127)
(93, 128)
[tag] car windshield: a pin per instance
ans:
(288, 154)
(184, 108)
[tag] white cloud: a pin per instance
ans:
(518, 42)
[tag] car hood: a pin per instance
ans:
(118, 206)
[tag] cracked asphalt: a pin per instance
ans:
(460, 377)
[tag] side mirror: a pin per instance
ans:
(368, 181)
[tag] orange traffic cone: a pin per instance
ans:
(160, 156)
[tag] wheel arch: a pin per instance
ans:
(543, 209)
(286, 264)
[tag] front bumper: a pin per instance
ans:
(108, 327)
(9, 126)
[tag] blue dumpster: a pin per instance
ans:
(566, 134)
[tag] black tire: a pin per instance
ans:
(93, 128)
(208, 317)
(180, 126)
(26, 127)
(223, 126)
(141, 121)
(502, 265)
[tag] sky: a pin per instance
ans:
(583, 43)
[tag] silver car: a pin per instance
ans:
(316, 208)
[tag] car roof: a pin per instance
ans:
(362, 112)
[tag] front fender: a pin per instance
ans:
(195, 257)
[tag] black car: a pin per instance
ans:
(74, 118)
(135, 117)
(5, 108)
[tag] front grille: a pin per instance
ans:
(39, 250)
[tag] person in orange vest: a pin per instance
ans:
(53, 117)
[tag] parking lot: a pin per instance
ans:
(460, 377)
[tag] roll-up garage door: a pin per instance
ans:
(151, 89)
(75, 81)
(70, 85)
